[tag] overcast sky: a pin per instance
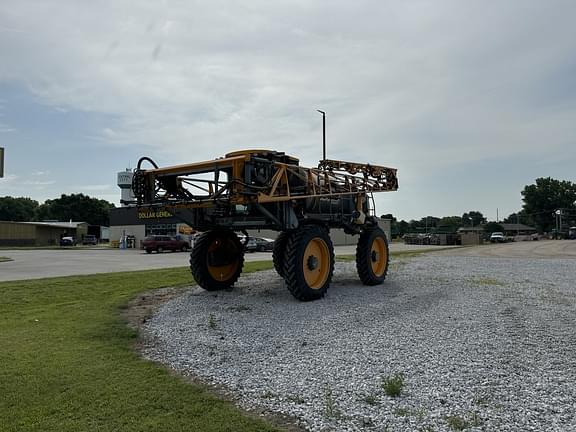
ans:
(470, 100)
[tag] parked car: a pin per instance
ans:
(264, 244)
(67, 241)
(257, 244)
(89, 240)
(497, 237)
(161, 243)
(251, 245)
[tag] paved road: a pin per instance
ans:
(527, 249)
(42, 263)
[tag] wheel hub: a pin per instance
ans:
(312, 262)
(374, 256)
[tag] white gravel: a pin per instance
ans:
(482, 343)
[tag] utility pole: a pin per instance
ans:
(323, 134)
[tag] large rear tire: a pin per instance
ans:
(217, 259)
(308, 263)
(278, 252)
(372, 256)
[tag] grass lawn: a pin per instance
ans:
(67, 361)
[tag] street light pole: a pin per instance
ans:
(1, 162)
(323, 134)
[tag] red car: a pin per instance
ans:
(160, 243)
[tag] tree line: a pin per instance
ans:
(76, 207)
(542, 201)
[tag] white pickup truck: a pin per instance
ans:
(497, 237)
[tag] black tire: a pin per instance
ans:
(159, 249)
(278, 252)
(148, 251)
(308, 262)
(372, 256)
(217, 259)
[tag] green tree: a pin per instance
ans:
(17, 209)
(546, 196)
(76, 207)
(450, 223)
(473, 218)
(518, 217)
(429, 222)
(491, 227)
(402, 228)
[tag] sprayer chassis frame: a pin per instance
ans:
(264, 190)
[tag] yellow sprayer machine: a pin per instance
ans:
(263, 189)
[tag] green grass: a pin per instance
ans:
(4, 259)
(399, 254)
(68, 361)
(77, 247)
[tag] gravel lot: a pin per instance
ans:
(482, 344)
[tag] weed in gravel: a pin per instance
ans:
(402, 412)
(393, 385)
(475, 419)
(370, 399)
(459, 423)
(330, 408)
(212, 322)
(420, 413)
(486, 281)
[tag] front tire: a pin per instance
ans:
(308, 263)
(217, 259)
(372, 256)
(278, 252)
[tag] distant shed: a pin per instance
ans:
(39, 233)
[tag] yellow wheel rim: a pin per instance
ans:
(378, 256)
(316, 263)
(224, 272)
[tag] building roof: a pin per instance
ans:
(505, 227)
(477, 228)
(517, 227)
(57, 224)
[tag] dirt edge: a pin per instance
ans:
(143, 307)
